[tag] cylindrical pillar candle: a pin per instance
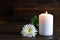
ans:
(46, 24)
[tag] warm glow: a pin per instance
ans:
(46, 12)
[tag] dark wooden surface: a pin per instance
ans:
(23, 10)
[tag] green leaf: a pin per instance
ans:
(34, 20)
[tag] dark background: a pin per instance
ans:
(17, 12)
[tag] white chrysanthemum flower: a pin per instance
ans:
(29, 30)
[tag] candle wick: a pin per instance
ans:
(46, 12)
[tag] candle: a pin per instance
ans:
(46, 24)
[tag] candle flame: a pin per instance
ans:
(46, 12)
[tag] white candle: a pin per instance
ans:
(46, 24)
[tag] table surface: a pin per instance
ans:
(56, 36)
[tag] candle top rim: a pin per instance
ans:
(46, 14)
